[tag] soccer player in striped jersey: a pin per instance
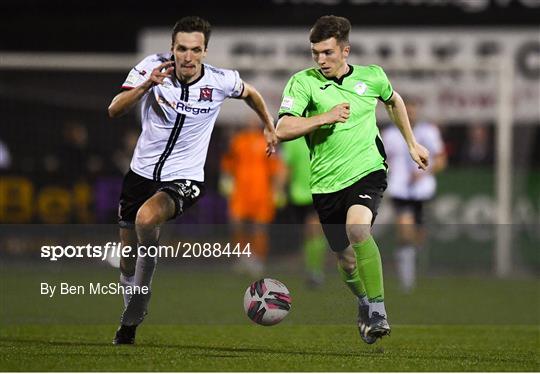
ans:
(333, 107)
(180, 99)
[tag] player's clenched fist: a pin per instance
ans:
(420, 155)
(161, 72)
(271, 141)
(339, 113)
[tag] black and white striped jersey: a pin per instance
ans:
(178, 119)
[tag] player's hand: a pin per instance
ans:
(161, 72)
(420, 155)
(339, 113)
(271, 141)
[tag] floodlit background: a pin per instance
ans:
(473, 65)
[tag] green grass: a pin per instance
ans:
(196, 323)
(279, 348)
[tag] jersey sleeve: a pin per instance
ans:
(382, 84)
(140, 73)
(233, 84)
(295, 98)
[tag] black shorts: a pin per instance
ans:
(414, 207)
(332, 207)
(136, 190)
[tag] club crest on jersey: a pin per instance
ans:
(206, 94)
(360, 88)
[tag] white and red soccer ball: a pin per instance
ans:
(267, 301)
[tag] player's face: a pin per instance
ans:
(331, 57)
(189, 51)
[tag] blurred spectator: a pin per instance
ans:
(122, 157)
(478, 147)
(411, 188)
(74, 159)
(5, 156)
(251, 180)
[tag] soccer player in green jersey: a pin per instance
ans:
(333, 107)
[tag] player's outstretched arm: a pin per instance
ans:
(254, 99)
(124, 101)
(291, 127)
(398, 114)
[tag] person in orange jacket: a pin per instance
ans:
(254, 183)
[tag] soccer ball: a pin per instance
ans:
(267, 301)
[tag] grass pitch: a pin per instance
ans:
(280, 348)
(196, 323)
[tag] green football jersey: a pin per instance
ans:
(340, 153)
(296, 156)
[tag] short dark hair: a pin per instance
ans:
(193, 24)
(328, 27)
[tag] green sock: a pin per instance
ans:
(353, 281)
(369, 263)
(314, 251)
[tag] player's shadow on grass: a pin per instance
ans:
(218, 351)
(234, 352)
(56, 343)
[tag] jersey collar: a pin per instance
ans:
(195, 81)
(339, 80)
